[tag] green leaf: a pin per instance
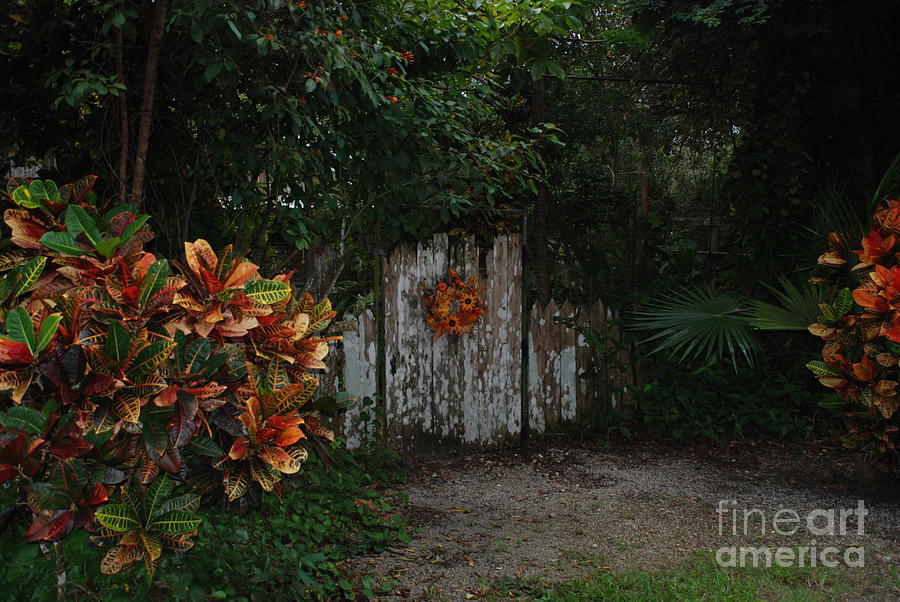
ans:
(832, 402)
(196, 32)
(822, 369)
(49, 497)
(538, 69)
(157, 493)
(332, 403)
(25, 419)
(189, 502)
(267, 291)
(63, 242)
(22, 196)
(153, 281)
(118, 517)
(151, 356)
(156, 437)
(196, 354)
(134, 226)
(843, 302)
(48, 329)
(38, 190)
(177, 522)
(27, 274)
(205, 446)
(77, 220)
(118, 343)
(108, 246)
(699, 324)
(20, 328)
(51, 191)
(556, 70)
(234, 29)
(826, 312)
(799, 305)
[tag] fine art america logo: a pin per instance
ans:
(756, 523)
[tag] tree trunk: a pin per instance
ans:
(146, 114)
(123, 114)
(61, 577)
(539, 249)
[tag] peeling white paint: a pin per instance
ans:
(359, 376)
(464, 394)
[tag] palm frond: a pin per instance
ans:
(698, 323)
(799, 306)
(837, 212)
(889, 184)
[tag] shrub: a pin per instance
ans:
(861, 330)
(716, 403)
(130, 389)
(293, 548)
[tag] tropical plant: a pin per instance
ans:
(705, 324)
(123, 378)
(861, 330)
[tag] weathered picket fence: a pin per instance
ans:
(478, 391)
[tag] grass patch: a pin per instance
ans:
(699, 579)
(292, 549)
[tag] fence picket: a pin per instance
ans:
(462, 394)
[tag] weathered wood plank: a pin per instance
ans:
(462, 394)
(453, 394)
(356, 375)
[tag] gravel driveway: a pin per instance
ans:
(564, 511)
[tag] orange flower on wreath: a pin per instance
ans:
(453, 306)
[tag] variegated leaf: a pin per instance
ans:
(119, 558)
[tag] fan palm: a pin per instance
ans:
(701, 323)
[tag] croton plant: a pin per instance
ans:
(130, 386)
(861, 330)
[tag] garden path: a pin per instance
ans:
(565, 511)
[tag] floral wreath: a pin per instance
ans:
(453, 306)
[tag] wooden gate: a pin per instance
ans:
(453, 394)
(461, 394)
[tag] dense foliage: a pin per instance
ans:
(274, 553)
(861, 331)
(324, 118)
(118, 372)
(716, 403)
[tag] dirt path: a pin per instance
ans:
(560, 512)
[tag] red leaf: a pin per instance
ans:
(264, 435)
(51, 529)
(27, 230)
(267, 320)
(7, 471)
(289, 436)
(170, 461)
(167, 397)
(181, 428)
(98, 495)
(282, 422)
(71, 447)
(130, 295)
(97, 384)
(13, 451)
(239, 449)
(61, 525)
(12, 352)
